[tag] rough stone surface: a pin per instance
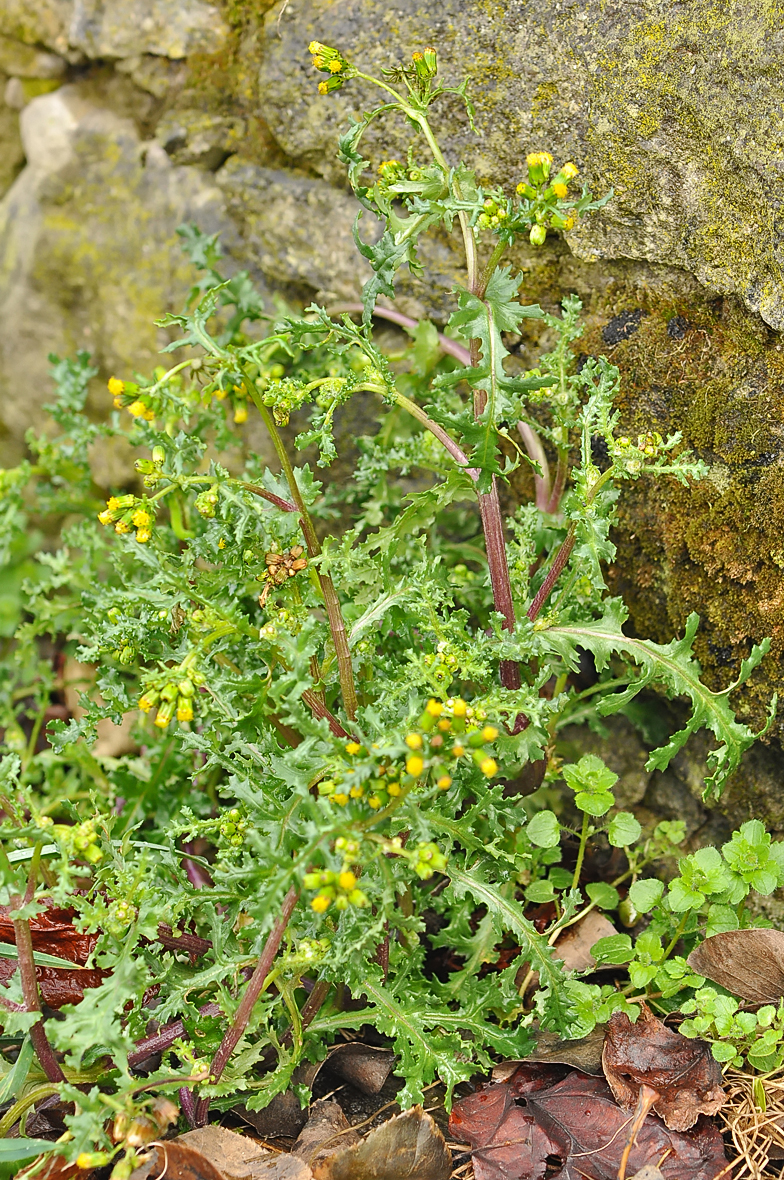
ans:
(179, 110)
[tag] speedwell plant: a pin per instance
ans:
(323, 728)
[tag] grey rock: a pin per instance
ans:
(89, 257)
(115, 28)
(297, 229)
(196, 137)
(159, 76)
(24, 61)
(121, 28)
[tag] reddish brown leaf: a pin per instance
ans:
(176, 1161)
(748, 963)
(58, 985)
(683, 1072)
(53, 933)
(570, 1129)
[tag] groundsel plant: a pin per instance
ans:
(315, 788)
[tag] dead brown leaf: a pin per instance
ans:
(585, 1054)
(406, 1147)
(574, 945)
(542, 1124)
(230, 1153)
(362, 1066)
(326, 1131)
(748, 963)
(175, 1161)
(683, 1072)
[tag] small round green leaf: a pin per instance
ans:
(544, 830)
(606, 896)
(623, 830)
(540, 892)
(646, 894)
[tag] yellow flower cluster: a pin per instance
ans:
(445, 735)
(340, 888)
(172, 691)
(546, 215)
(127, 513)
(124, 399)
(328, 61)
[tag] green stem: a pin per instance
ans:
(674, 940)
(578, 868)
(331, 602)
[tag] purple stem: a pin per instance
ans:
(387, 313)
(165, 1037)
(188, 1105)
(198, 877)
(284, 505)
(556, 570)
(252, 992)
(191, 943)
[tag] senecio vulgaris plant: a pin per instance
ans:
(326, 729)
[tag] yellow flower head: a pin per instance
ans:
(375, 802)
(560, 190)
(534, 159)
(415, 765)
(569, 170)
(320, 903)
(143, 535)
(459, 707)
(444, 783)
(115, 386)
(489, 733)
(335, 66)
(341, 798)
(141, 518)
(221, 543)
(413, 741)
(458, 751)
(241, 413)
(353, 747)
(184, 711)
(122, 526)
(145, 704)
(434, 708)
(106, 517)
(488, 767)
(161, 720)
(394, 789)
(347, 880)
(113, 504)
(323, 88)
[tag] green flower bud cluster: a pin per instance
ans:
(631, 457)
(444, 664)
(494, 213)
(152, 469)
(120, 916)
(444, 735)
(233, 827)
(425, 858)
(340, 888)
(284, 397)
(173, 691)
(81, 840)
(207, 501)
(308, 953)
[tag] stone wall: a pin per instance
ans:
(123, 118)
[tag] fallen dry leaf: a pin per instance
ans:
(406, 1147)
(683, 1072)
(585, 1054)
(574, 945)
(174, 1161)
(362, 1066)
(748, 963)
(232, 1154)
(326, 1132)
(541, 1124)
(283, 1117)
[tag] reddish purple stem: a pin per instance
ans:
(252, 992)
